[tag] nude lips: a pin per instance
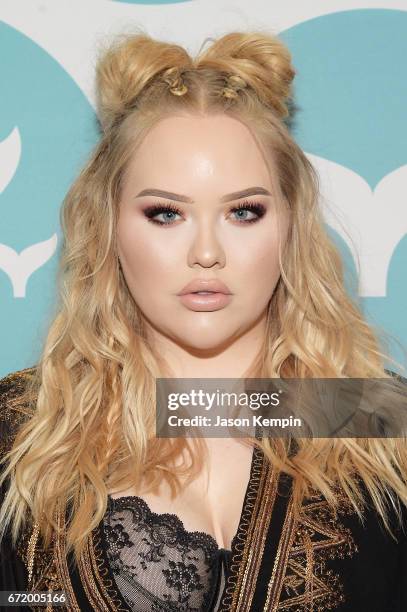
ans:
(205, 301)
(205, 294)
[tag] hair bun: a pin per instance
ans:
(262, 60)
(125, 66)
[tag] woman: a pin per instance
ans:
(196, 184)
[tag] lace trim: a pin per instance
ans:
(149, 516)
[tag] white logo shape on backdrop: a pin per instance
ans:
(371, 223)
(20, 266)
(10, 153)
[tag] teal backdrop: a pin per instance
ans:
(351, 92)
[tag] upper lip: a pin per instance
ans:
(200, 284)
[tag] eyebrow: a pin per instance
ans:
(244, 193)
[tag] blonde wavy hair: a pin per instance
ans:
(93, 390)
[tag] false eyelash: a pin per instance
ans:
(156, 209)
(255, 207)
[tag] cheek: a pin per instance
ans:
(256, 262)
(143, 259)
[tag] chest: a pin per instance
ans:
(213, 501)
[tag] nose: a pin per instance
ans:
(206, 249)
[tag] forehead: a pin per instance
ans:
(194, 148)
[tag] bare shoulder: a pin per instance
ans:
(13, 409)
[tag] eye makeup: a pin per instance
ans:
(155, 209)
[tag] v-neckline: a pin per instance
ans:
(120, 502)
(104, 570)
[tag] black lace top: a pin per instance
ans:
(158, 565)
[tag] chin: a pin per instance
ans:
(204, 341)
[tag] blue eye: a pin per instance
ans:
(151, 212)
(254, 207)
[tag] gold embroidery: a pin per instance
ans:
(47, 569)
(307, 583)
(31, 552)
(251, 536)
(94, 572)
(260, 528)
(60, 562)
(42, 565)
(88, 581)
(280, 563)
(12, 416)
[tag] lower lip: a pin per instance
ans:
(205, 302)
